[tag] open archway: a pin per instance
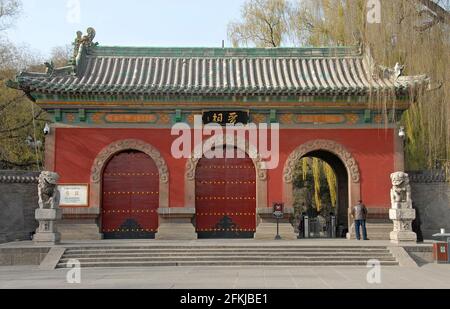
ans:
(344, 165)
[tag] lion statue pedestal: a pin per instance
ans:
(402, 212)
(48, 212)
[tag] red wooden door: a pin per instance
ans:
(226, 198)
(130, 197)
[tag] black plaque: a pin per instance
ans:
(224, 118)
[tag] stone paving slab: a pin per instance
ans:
(431, 276)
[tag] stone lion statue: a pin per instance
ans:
(48, 193)
(401, 190)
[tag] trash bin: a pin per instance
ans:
(440, 253)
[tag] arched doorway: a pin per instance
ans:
(344, 165)
(130, 196)
(226, 196)
(325, 212)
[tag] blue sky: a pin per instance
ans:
(48, 23)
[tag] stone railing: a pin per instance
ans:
(18, 177)
(431, 176)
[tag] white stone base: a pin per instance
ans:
(403, 237)
(403, 233)
(47, 232)
(402, 214)
(48, 214)
(47, 238)
(176, 231)
(79, 231)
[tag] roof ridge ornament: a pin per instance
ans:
(85, 40)
(50, 68)
(398, 70)
(392, 73)
(358, 41)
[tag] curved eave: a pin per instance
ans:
(88, 90)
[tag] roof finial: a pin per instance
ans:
(392, 73)
(87, 40)
(358, 39)
(398, 70)
(50, 67)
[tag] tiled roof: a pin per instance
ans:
(218, 71)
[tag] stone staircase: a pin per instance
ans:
(72, 230)
(376, 230)
(156, 256)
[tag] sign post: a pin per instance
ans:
(278, 213)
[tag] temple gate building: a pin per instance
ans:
(113, 109)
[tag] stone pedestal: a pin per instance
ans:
(402, 212)
(176, 224)
(403, 233)
(47, 232)
(79, 229)
(80, 224)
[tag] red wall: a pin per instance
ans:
(76, 150)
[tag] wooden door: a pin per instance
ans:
(130, 197)
(226, 198)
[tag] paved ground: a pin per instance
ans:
(427, 277)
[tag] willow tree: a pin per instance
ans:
(315, 185)
(415, 33)
(264, 23)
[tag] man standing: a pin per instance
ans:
(359, 214)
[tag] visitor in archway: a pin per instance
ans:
(359, 214)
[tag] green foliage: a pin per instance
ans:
(315, 186)
(21, 121)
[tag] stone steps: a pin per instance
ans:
(213, 253)
(218, 247)
(214, 263)
(243, 249)
(155, 256)
(218, 252)
(222, 258)
(376, 231)
(75, 231)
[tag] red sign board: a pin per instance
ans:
(278, 210)
(440, 252)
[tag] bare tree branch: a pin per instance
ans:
(263, 23)
(8, 10)
(440, 13)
